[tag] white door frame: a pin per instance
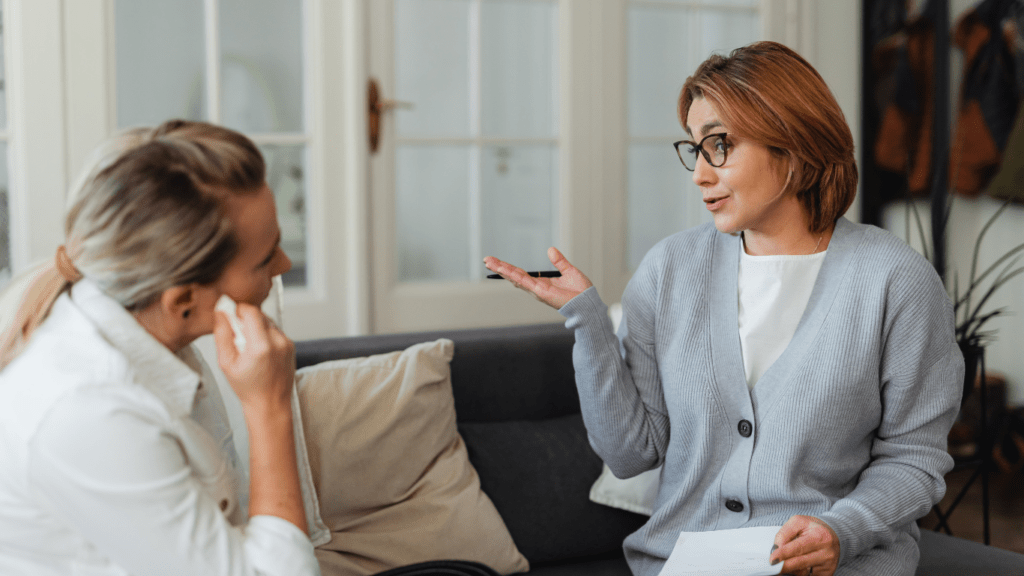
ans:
(37, 160)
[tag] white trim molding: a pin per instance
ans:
(38, 161)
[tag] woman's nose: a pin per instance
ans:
(703, 173)
(283, 263)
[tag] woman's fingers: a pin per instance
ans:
(805, 542)
(264, 371)
(254, 324)
(223, 338)
(513, 274)
(560, 262)
(554, 292)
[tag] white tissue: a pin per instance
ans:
(228, 306)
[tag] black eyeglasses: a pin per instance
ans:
(713, 147)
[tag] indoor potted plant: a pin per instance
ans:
(970, 312)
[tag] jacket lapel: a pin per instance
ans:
(726, 356)
(769, 389)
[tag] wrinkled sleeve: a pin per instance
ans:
(117, 474)
(620, 391)
(921, 385)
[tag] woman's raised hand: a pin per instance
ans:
(554, 292)
(264, 372)
(263, 376)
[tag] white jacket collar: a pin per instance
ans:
(173, 378)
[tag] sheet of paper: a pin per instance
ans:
(739, 552)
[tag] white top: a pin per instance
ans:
(115, 458)
(773, 293)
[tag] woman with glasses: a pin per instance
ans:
(785, 366)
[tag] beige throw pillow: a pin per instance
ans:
(393, 475)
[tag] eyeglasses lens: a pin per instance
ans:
(713, 147)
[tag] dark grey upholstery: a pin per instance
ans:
(518, 412)
(538, 474)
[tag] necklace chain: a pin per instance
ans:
(818, 244)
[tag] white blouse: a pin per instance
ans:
(116, 459)
(773, 293)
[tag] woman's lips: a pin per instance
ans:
(715, 203)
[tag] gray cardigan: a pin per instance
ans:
(848, 425)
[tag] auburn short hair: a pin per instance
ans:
(768, 93)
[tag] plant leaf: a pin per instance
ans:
(977, 248)
(920, 228)
(974, 284)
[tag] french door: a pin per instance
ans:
(521, 124)
(472, 158)
(265, 68)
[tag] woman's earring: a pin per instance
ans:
(186, 313)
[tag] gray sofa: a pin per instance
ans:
(518, 412)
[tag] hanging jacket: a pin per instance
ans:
(989, 96)
(904, 142)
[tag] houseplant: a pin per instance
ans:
(969, 302)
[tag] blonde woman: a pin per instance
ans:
(115, 454)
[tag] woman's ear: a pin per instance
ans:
(178, 301)
(176, 318)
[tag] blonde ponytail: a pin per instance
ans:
(24, 304)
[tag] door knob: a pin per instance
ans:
(377, 106)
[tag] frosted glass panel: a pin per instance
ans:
(159, 60)
(724, 30)
(517, 205)
(660, 59)
(261, 65)
(518, 68)
(286, 170)
(663, 199)
(432, 212)
(432, 48)
(666, 44)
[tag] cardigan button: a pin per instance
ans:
(746, 428)
(734, 505)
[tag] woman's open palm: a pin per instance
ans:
(554, 292)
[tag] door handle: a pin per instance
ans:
(377, 106)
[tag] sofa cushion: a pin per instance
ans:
(637, 494)
(538, 474)
(393, 475)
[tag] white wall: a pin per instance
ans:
(836, 56)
